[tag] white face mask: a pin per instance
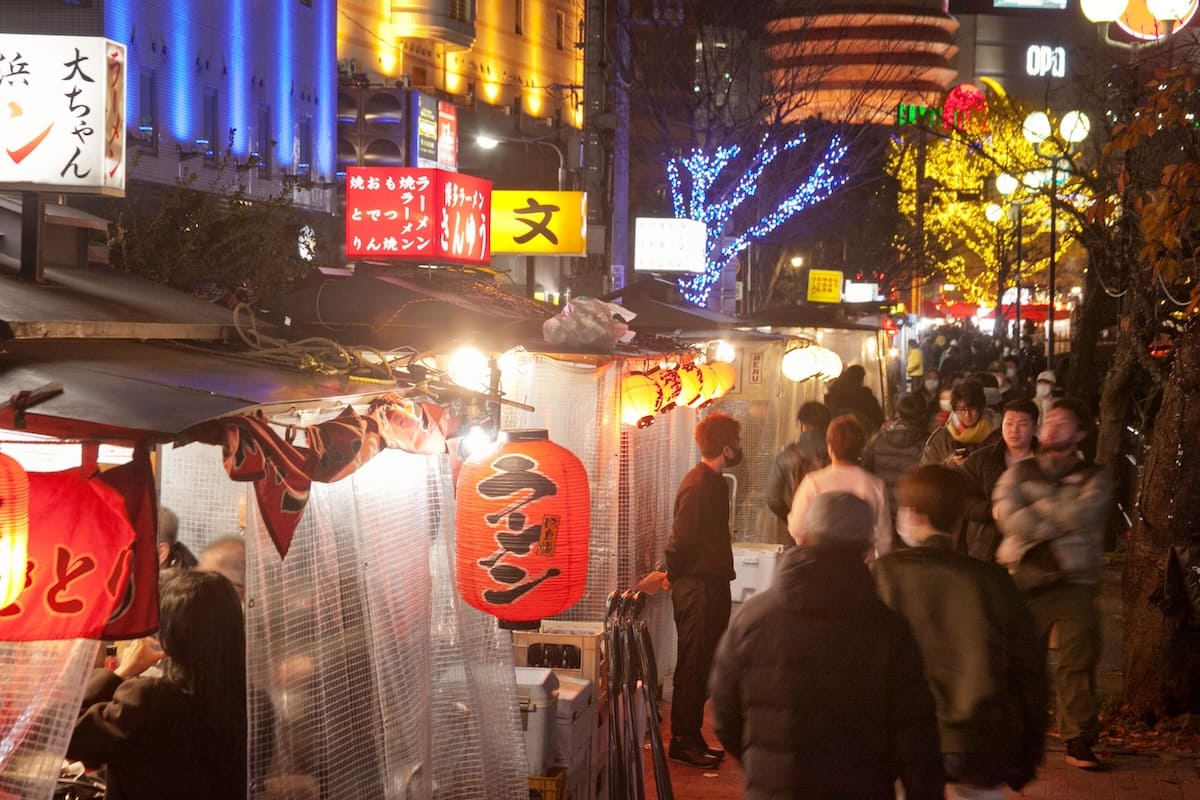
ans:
(946, 403)
(931, 386)
(1043, 389)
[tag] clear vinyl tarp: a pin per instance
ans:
(381, 683)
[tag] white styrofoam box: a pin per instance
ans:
(754, 568)
(575, 649)
(576, 723)
(537, 690)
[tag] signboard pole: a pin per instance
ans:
(33, 213)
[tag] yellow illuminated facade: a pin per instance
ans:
(514, 53)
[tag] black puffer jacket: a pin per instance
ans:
(983, 469)
(894, 451)
(818, 689)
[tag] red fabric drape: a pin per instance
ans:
(282, 473)
(136, 613)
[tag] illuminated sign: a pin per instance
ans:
(669, 245)
(535, 221)
(965, 110)
(62, 114)
(1042, 60)
(447, 136)
(855, 292)
(824, 286)
(423, 147)
(427, 214)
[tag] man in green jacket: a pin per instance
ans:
(983, 658)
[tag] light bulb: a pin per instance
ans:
(1037, 127)
(1075, 126)
(1006, 184)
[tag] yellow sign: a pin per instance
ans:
(824, 286)
(531, 221)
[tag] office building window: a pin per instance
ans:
(210, 139)
(459, 9)
(519, 17)
(264, 148)
(146, 136)
(560, 30)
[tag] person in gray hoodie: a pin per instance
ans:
(1051, 511)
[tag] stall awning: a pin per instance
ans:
(139, 388)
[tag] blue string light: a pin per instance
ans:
(703, 172)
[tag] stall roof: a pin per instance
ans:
(101, 302)
(848, 316)
(157, 388)
(406, 307)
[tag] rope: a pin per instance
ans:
(1167, 292)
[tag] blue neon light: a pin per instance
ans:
(235, 82)
(284, 99)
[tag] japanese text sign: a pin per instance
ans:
(80, 555)
(447, 136)
(669, 245)
(410, 213)
(533, 221)
(62, 114)
(423, 146)
(824, 286)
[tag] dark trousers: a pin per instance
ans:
(1072, 609)
(701, 608)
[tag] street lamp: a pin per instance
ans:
(491, 142)
(1146, 21)
(1038, 131)
(1007, 186)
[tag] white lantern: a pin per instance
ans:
(1103, 10)
(830, 363)
(1037, 127)
(1075, 126)
(1166, 10)
(800, 364)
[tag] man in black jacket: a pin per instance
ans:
(807, 453)
(699, 569)
(818, 687)
(983, 657)
(983, 469)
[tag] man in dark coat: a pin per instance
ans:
(699, 558)
(807, 453)
(898, 445)
(817, 687)
(983, 657)
(848, 394)
(983, 469)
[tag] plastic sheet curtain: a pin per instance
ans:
(40, 695)
(382, 683)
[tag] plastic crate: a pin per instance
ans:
(754, 567)
(548, 787)
(575, 649)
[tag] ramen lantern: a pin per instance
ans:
(641, 397)
(693, 385)
(14, 528)
(523, 522)
(669, 382)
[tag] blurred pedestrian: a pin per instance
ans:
(848, 394)
(915, 365)
(980, 647)
(226, 556)
(171, 551)
(817, 687)
(846, 441)
(897, 447)
(699, 558)
(807, 453)
(1043, 393)
(1051, 510)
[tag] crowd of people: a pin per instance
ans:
(902, 648)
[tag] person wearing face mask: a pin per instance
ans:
(1043, 392)
(983, 469)
(1018, 387)
(942, 408)
(927, 392)
(846, 440)
(699, 557)
(1051, 511)
(967, 429)
(978, 641)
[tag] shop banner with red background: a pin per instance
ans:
(411, 213)
(91, 573)
(282, 473)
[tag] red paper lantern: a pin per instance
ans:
(14, 528)
(523, 522)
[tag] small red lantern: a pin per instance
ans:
(14, 528)
(523, 522)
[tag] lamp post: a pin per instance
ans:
(1163, 18)
(1073, 129)
(1007, 185)
(491, 142)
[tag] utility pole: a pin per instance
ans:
(595, 122)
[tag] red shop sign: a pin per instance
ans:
(411, 213)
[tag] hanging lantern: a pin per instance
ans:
(671, 385)
(726, 377)
(641, 398)
(689, 384)
(830, 363)
(14, 528)
(708, 385)
(800, 364)
(523, 521)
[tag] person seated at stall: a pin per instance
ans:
(171, 551)
(183, 735)
(226, 556)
